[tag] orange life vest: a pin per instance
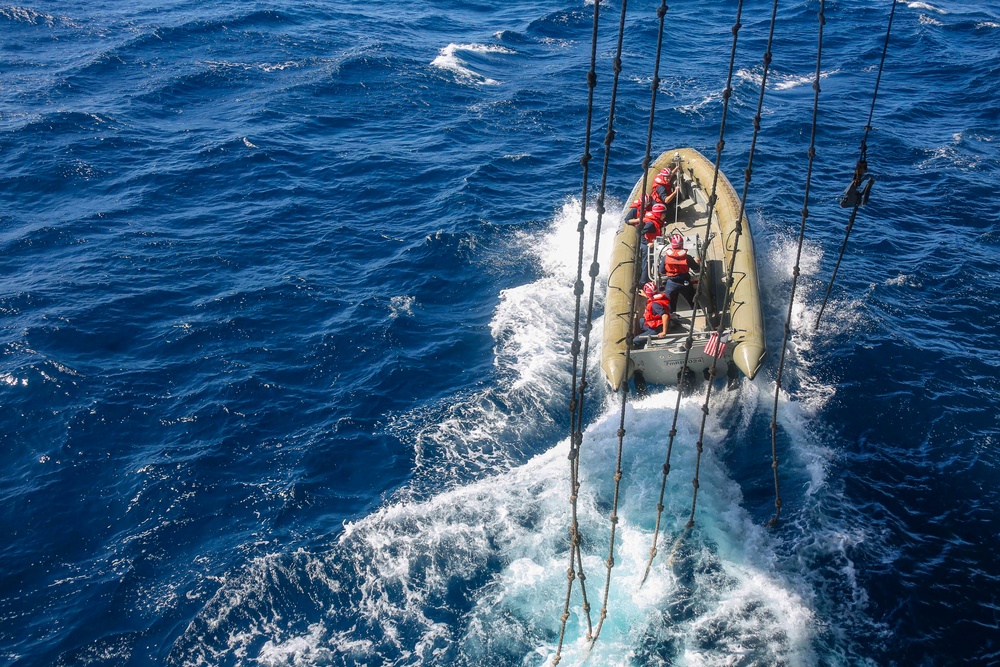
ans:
(675, 262)
(662, 187)
(657, 224)
(654, 321)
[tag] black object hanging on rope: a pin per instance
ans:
(857, 193)
(860, 189)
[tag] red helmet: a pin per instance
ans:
(665, 172)
(676, 241)
(659, 208)
(649, 289)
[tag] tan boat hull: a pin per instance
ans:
(660, 363)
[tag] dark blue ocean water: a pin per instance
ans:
(286, 305)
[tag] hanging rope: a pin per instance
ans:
(577, 401)
(689, 342)
(796, 270)
(595, 270)
(576, 434)
(857, 192)
(747, 175)
(610, 562)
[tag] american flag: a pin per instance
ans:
(716, 344)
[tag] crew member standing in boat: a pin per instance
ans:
(656, 317)
(677, 267)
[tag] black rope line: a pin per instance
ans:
(860, 169)
(610, 562)
(577, 402)
(574, 447)
(689, 342)
(747, 176)
(796, 270)
(594, 272)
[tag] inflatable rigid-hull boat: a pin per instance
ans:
(660, 360)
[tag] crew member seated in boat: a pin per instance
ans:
(663, 189)
(677, 267)
(651, 227)
(639, 208)
(656, 317)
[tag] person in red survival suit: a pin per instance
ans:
(677, 267)
(656, 318)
